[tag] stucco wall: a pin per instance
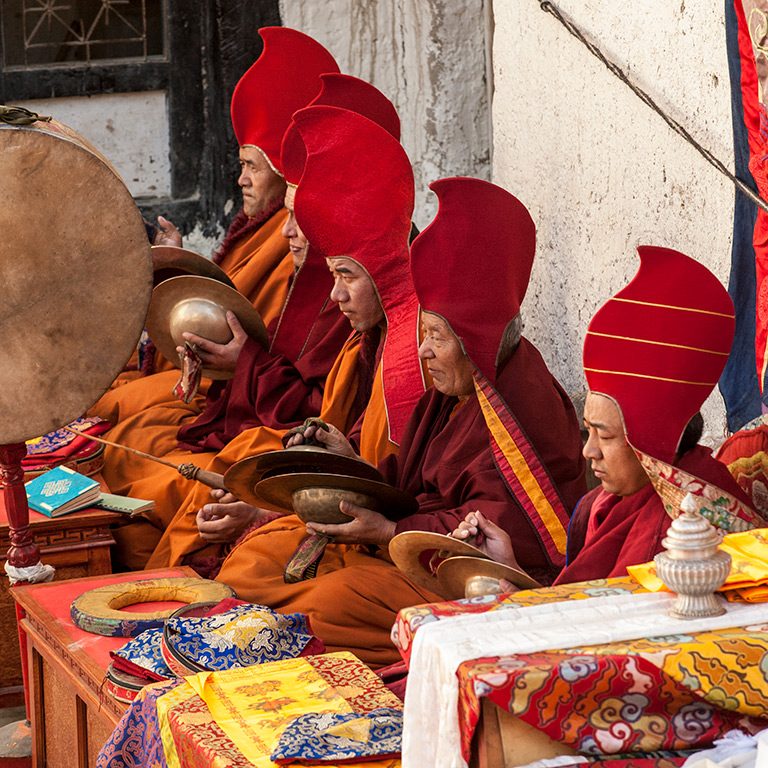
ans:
(129, 129)
(599, 171)
(429, 58)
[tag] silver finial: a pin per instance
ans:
(693, 565)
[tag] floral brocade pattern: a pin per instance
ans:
(193, 737)
(240, 637)
(329, 737)
(136, 741)
(58, 439)
(672, 484)
(145, 651)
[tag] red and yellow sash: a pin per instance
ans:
(525, 476)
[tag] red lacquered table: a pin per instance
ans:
(76, 545)
(71, 713)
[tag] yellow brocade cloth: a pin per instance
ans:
(234, 719)
(748, 579)
(253, 708)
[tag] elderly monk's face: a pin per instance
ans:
(297, 243)
(355, 294)
(260, 184)
(449, 367)
(613, 461)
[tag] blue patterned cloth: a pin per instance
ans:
(136, 741)
(146, 652)
(329, 737)
(248, 634)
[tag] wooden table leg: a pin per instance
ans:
(23, 551)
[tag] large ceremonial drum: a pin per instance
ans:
(75, 278)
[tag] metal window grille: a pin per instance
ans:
(50, 33)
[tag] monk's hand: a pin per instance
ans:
(367, 527)
(167, 234)
(219, 357)
(507, 586)
(224, 520)
(495, 543)
(329, 437)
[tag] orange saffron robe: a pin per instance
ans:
(260, 267)
(180, 537)
(353, 600)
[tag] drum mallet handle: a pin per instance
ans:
(190, 471)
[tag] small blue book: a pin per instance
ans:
(60, 491)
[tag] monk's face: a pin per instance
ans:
(449, 367)
(354, 292)
(260, 184)
(297, 243)
(613, 461)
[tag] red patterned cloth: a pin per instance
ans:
(62, 447)
(657, 693)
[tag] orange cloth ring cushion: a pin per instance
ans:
(98, 611)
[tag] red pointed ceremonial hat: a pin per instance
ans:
(355, 199)
(286, 77)
(475, 282)
(658, 347)
(314, 282)
(346, 92)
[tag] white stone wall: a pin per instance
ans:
(430, 58)
(129, 129)
(599, 171)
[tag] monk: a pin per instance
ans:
(254, 253)
(352, 379)
(446, 458)
(649, 368)
(278, 387)
(271, 388)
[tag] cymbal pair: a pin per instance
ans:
(312, 481)
(192, 294)
(462, 569)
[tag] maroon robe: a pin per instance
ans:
(270, 389)
(447, 464)
(629, 529)
(281, 386)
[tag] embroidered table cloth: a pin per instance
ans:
(234, 719)
(598, 666)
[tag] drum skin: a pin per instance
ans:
(75, 278)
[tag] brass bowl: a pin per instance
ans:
(321, 505)
(318, 495)
(202, 317)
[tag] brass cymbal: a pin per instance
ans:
(246, 473)
(169, 261)
(199, 305)
(406, 551)
(76, 276)
(279, 492)
(462, 576)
